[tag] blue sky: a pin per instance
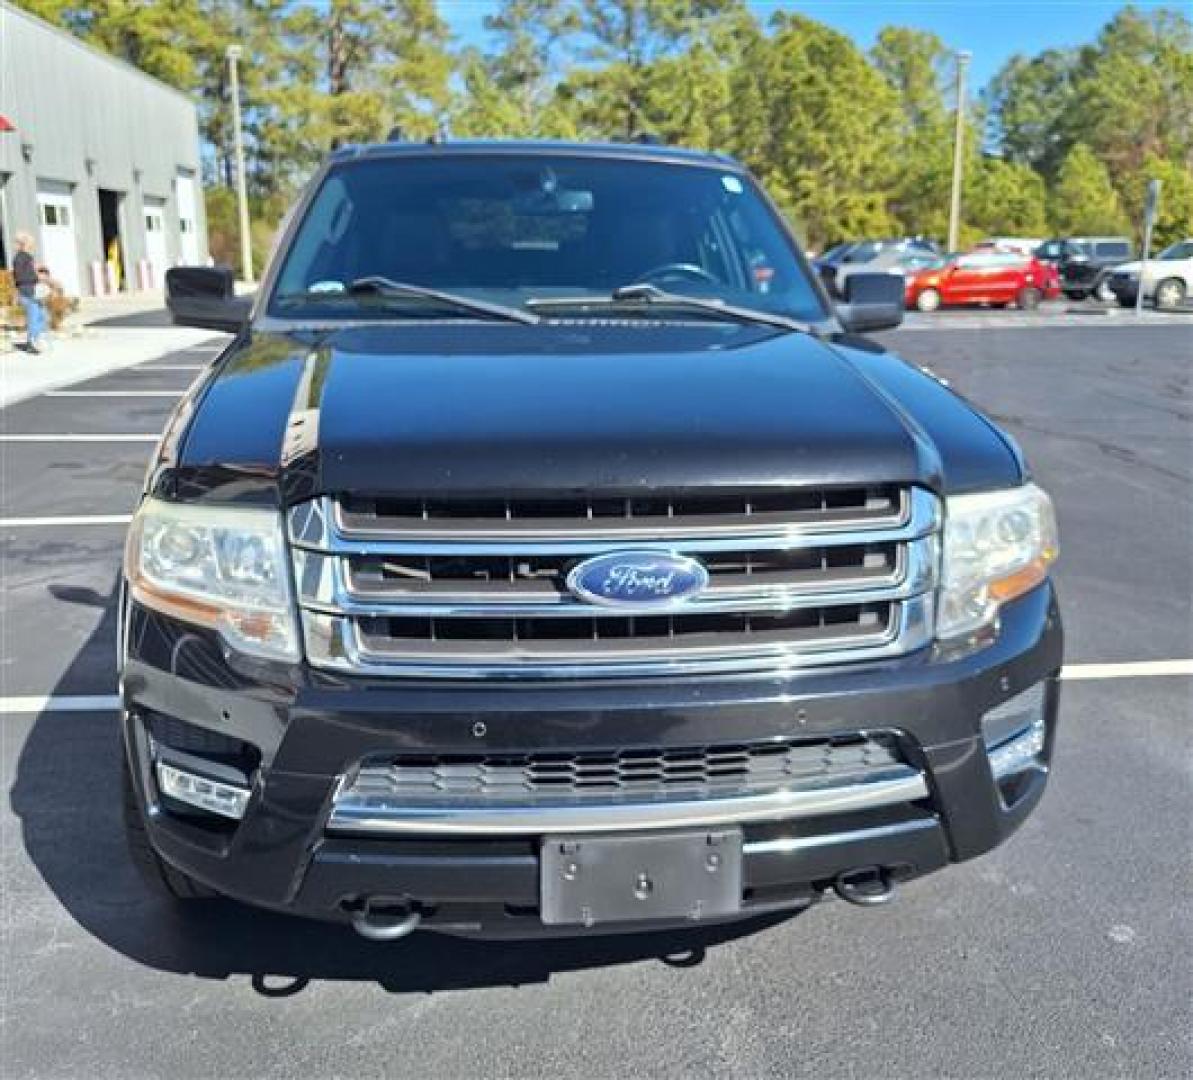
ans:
(993, 31)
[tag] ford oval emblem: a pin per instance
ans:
(637, 579)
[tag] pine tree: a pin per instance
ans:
(1083, 198)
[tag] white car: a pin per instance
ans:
(1167, 279)
(1020, 245)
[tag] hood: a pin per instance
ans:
(475, 408)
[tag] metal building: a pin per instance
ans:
(98, 160)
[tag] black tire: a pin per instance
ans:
(1126, 301)
(1076, 295)
(1028, 299)
(1169, 294)
(162, 878)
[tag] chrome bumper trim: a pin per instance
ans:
(378, 816)
(786, 845)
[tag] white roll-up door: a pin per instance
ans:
(188, 234)
(155, 240)
(59, 247)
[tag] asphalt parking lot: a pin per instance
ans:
(1067, 952)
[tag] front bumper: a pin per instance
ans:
(310, 730)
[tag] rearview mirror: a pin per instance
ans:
(872, 302)
(205, 297)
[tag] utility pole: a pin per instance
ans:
(1150, 206)
(963, 59)
(242, 196)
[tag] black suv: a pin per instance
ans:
(1084, 263)
(546, 554)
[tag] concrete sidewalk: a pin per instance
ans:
(94, 351)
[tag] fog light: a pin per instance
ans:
(215, 796)
(1015, 733)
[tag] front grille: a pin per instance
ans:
(477, 587)
(691, 772)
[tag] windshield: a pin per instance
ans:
(1181, 250)
(516, 228)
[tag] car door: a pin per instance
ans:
(1008, 274)
(965, 281)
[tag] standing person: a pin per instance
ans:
(28, 282)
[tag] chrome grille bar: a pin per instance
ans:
(314, 526)
(810, 588)
(326, 584)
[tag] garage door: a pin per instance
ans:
(155, 240)
(188, 235)
(59, 248)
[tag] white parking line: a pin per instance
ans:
(1140, 669)
(148, 366)
(13, 706)
(114, 393)
(59, 437)
(64, 522)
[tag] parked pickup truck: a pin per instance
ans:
(1084, 263)
(546, 554)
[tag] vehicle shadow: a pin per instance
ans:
(67, 798)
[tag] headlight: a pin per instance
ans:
(223, 567)
(997, 546)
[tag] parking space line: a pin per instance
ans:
(149, 366)
(61, 437)
(113, 393)
(1140, 669)
(64, 522)
(33, 703)
(14, 706)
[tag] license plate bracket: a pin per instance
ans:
(596, 879)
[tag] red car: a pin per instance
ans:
(983, 278)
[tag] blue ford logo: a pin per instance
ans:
(637, 578)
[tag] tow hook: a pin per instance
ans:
(389, 926)
(866, 886)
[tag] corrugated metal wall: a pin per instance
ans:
(92, 123)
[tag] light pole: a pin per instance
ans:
(963, 59)
(242, 197)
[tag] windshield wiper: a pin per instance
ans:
(376, 285)
(645, 293)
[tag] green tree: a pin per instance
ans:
(829, 157)
(380, 64)
(1003, 198)
(1174, 218)
(1031, 103)
(1083, 198)
(511, 92)
(1133, 90)
(919, 67)
(532, 39)
(159, 38)
(624, 38)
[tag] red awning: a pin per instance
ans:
(6, 124)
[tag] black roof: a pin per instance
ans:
(643, 151)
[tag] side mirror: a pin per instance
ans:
(872, 302)
(205, 297)
(828, 278)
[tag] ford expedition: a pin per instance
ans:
(547, 554)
